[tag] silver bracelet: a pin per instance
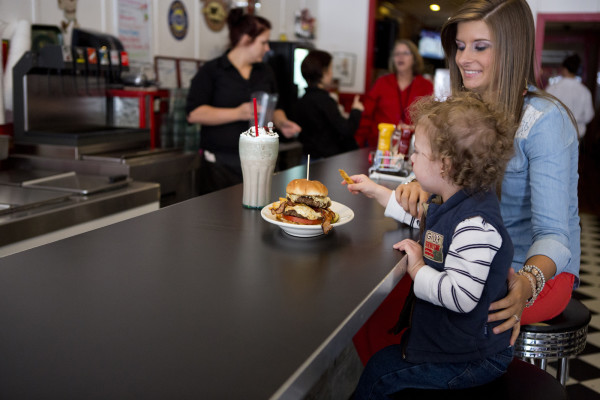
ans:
(411, 178)
(532, 282)
(540, 280)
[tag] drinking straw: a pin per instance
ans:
(307, 166)
(255, 118)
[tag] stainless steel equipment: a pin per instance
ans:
(60, 100)
(63, 118)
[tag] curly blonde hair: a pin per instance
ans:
(472, 134)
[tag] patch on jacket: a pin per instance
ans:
(434, 246)
(530, 116)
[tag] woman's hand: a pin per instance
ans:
(362, 184)
(357, 104)
(289, 129)
(409, 196)
(519, 291)
(414, 252)
(245, 111)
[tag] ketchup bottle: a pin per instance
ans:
(406, 133)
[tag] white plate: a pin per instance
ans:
(345, 213)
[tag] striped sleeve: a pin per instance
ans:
(395, 210)
(459, 286)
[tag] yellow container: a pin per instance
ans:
(385, 136)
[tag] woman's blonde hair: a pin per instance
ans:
(513, 35)
(418, 64)
(511, 26)
(472, 134)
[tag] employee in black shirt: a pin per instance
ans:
(219, 99)
(325, 131)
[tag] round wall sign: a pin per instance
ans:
(178, 20)
(215, 13)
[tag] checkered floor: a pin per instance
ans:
(584, 371)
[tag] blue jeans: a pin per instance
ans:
(387, 373)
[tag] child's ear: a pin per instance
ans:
(446, 165)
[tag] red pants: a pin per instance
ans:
(374, 336)
(551, 301)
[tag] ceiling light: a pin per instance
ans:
(434, 7)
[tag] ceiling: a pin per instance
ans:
(419, 10)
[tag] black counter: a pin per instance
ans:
(202, 299)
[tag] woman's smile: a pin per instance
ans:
(474, 55)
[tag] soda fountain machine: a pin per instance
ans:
(64, 118)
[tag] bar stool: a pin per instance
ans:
(522, 381)
(559, 338)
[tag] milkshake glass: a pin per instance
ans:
(258, 155)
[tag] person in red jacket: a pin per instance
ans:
(392, 94)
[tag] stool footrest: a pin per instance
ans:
(552, 345)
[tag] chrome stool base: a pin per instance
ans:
(559, 338)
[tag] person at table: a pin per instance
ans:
(391, 95)
(325, 131)
(219, 99)
(462, 264)
(573, 93)
(489, 47)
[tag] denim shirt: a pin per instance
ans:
(539, 203)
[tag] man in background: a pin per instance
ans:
(573, 93)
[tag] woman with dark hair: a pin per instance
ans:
(325, 131)
(219, 99)
(392, 94)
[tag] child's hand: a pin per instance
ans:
(362, 184)
(414, 252)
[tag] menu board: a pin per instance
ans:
(134, 29)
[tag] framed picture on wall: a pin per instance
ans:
(344, 67)
(187, 70)
(166, 72)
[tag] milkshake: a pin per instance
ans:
(258, 155)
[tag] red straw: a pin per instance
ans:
(255, 118)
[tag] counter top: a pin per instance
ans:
(202, 299)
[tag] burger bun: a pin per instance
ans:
(305, 187)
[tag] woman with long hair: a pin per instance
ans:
(489, 46)
(490, 49)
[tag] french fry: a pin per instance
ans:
(345, 176)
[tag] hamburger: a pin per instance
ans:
(306, 203)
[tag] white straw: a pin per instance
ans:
(307, 166)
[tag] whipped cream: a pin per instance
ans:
(263, 132)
